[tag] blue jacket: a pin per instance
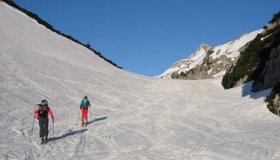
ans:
(85, 103)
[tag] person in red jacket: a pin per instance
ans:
(42, 114)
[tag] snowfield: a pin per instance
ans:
(133, 117)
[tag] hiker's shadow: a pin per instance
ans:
(67, 134)
(101, 118)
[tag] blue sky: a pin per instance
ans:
(148, 36)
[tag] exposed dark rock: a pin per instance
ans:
(271, 72)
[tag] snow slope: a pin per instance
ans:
(134, 117)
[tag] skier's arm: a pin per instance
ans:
(37, 114)
(51, 113)
(89, 104)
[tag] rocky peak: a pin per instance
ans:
(204, 47)
(207, 61)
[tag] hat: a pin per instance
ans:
(43, 103)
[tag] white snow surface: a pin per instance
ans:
(135, 117)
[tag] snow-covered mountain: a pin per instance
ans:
(209, 62)
(187, 64)
(134, 117)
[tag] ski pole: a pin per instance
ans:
(90, 113)
(53, 127)
(77, 120)
(33, 124)
(77, 116)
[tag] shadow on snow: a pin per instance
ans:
(67, 134)
(72, 133)
(101, 118)
(246, 91)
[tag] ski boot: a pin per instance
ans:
(42, 140)
(46, 139)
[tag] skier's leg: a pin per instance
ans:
(46, 129)
(82, 122)
(41, 132)
(82, 112)
(86, 116)
(41, 128)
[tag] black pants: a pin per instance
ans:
(44, 130)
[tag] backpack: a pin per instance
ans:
(43, 111)
(84, 103)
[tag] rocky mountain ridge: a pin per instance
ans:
(209, 62)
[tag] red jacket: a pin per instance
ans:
(50, 112)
